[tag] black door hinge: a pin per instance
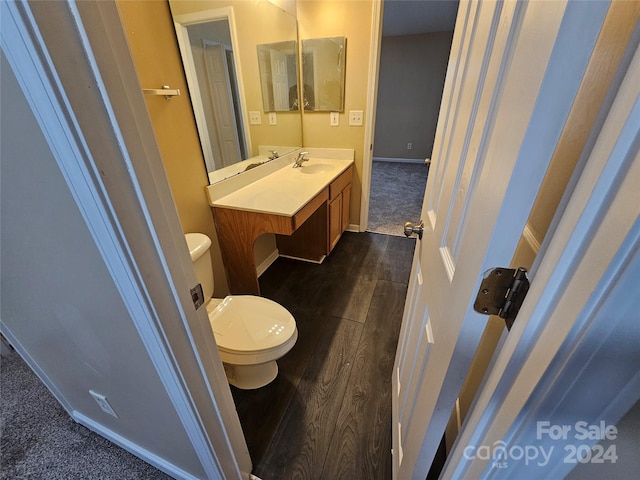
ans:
(502, 292)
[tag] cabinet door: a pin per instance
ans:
(335, 221)
(346, 205)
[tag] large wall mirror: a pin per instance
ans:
(219, 41)
(323, 73)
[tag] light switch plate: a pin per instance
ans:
(255, 118)
(273, 120)
(334, 119)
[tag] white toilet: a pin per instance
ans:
(251, 332)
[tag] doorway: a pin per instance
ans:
(414, 54)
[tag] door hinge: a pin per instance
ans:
(197, 295)
(502, 292)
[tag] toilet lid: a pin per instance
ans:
(248, 323)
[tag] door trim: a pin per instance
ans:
(370, 121)
(128, 208)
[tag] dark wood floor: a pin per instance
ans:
(328, 414)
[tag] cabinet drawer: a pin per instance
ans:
(339, 183)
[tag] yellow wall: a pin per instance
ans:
(351, 19)
(153, 45)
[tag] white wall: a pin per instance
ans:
(60, 303)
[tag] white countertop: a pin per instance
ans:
(286, 190)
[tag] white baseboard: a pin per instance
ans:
(266, 263)
(400, 160)
(135, 449)
(317, 262)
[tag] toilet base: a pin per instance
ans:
(250, 377)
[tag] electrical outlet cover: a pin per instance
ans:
(254, 118)
(103, 403)
(355, 118)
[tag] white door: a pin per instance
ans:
(280, 80)
(514, 71)
(222, 102)
(571, 362)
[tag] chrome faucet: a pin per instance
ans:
(301, 158)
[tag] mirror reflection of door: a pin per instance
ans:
(308, 72)
(213, 61)
(278, 67)
(221, 102)
(280, 80)
(274, 79)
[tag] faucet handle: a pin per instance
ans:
(274, 154)
(302, 154)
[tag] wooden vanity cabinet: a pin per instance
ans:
(339, 204)
(319, 234)
(310, 234)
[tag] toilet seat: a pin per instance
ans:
(250, 329)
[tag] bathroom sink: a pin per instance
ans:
(316, 168)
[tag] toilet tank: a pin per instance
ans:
(199, 249)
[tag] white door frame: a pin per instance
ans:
(118, 182)
(370, 114)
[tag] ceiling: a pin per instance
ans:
(408, 17)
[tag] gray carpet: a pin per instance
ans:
(397, 193)
(40, 441)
